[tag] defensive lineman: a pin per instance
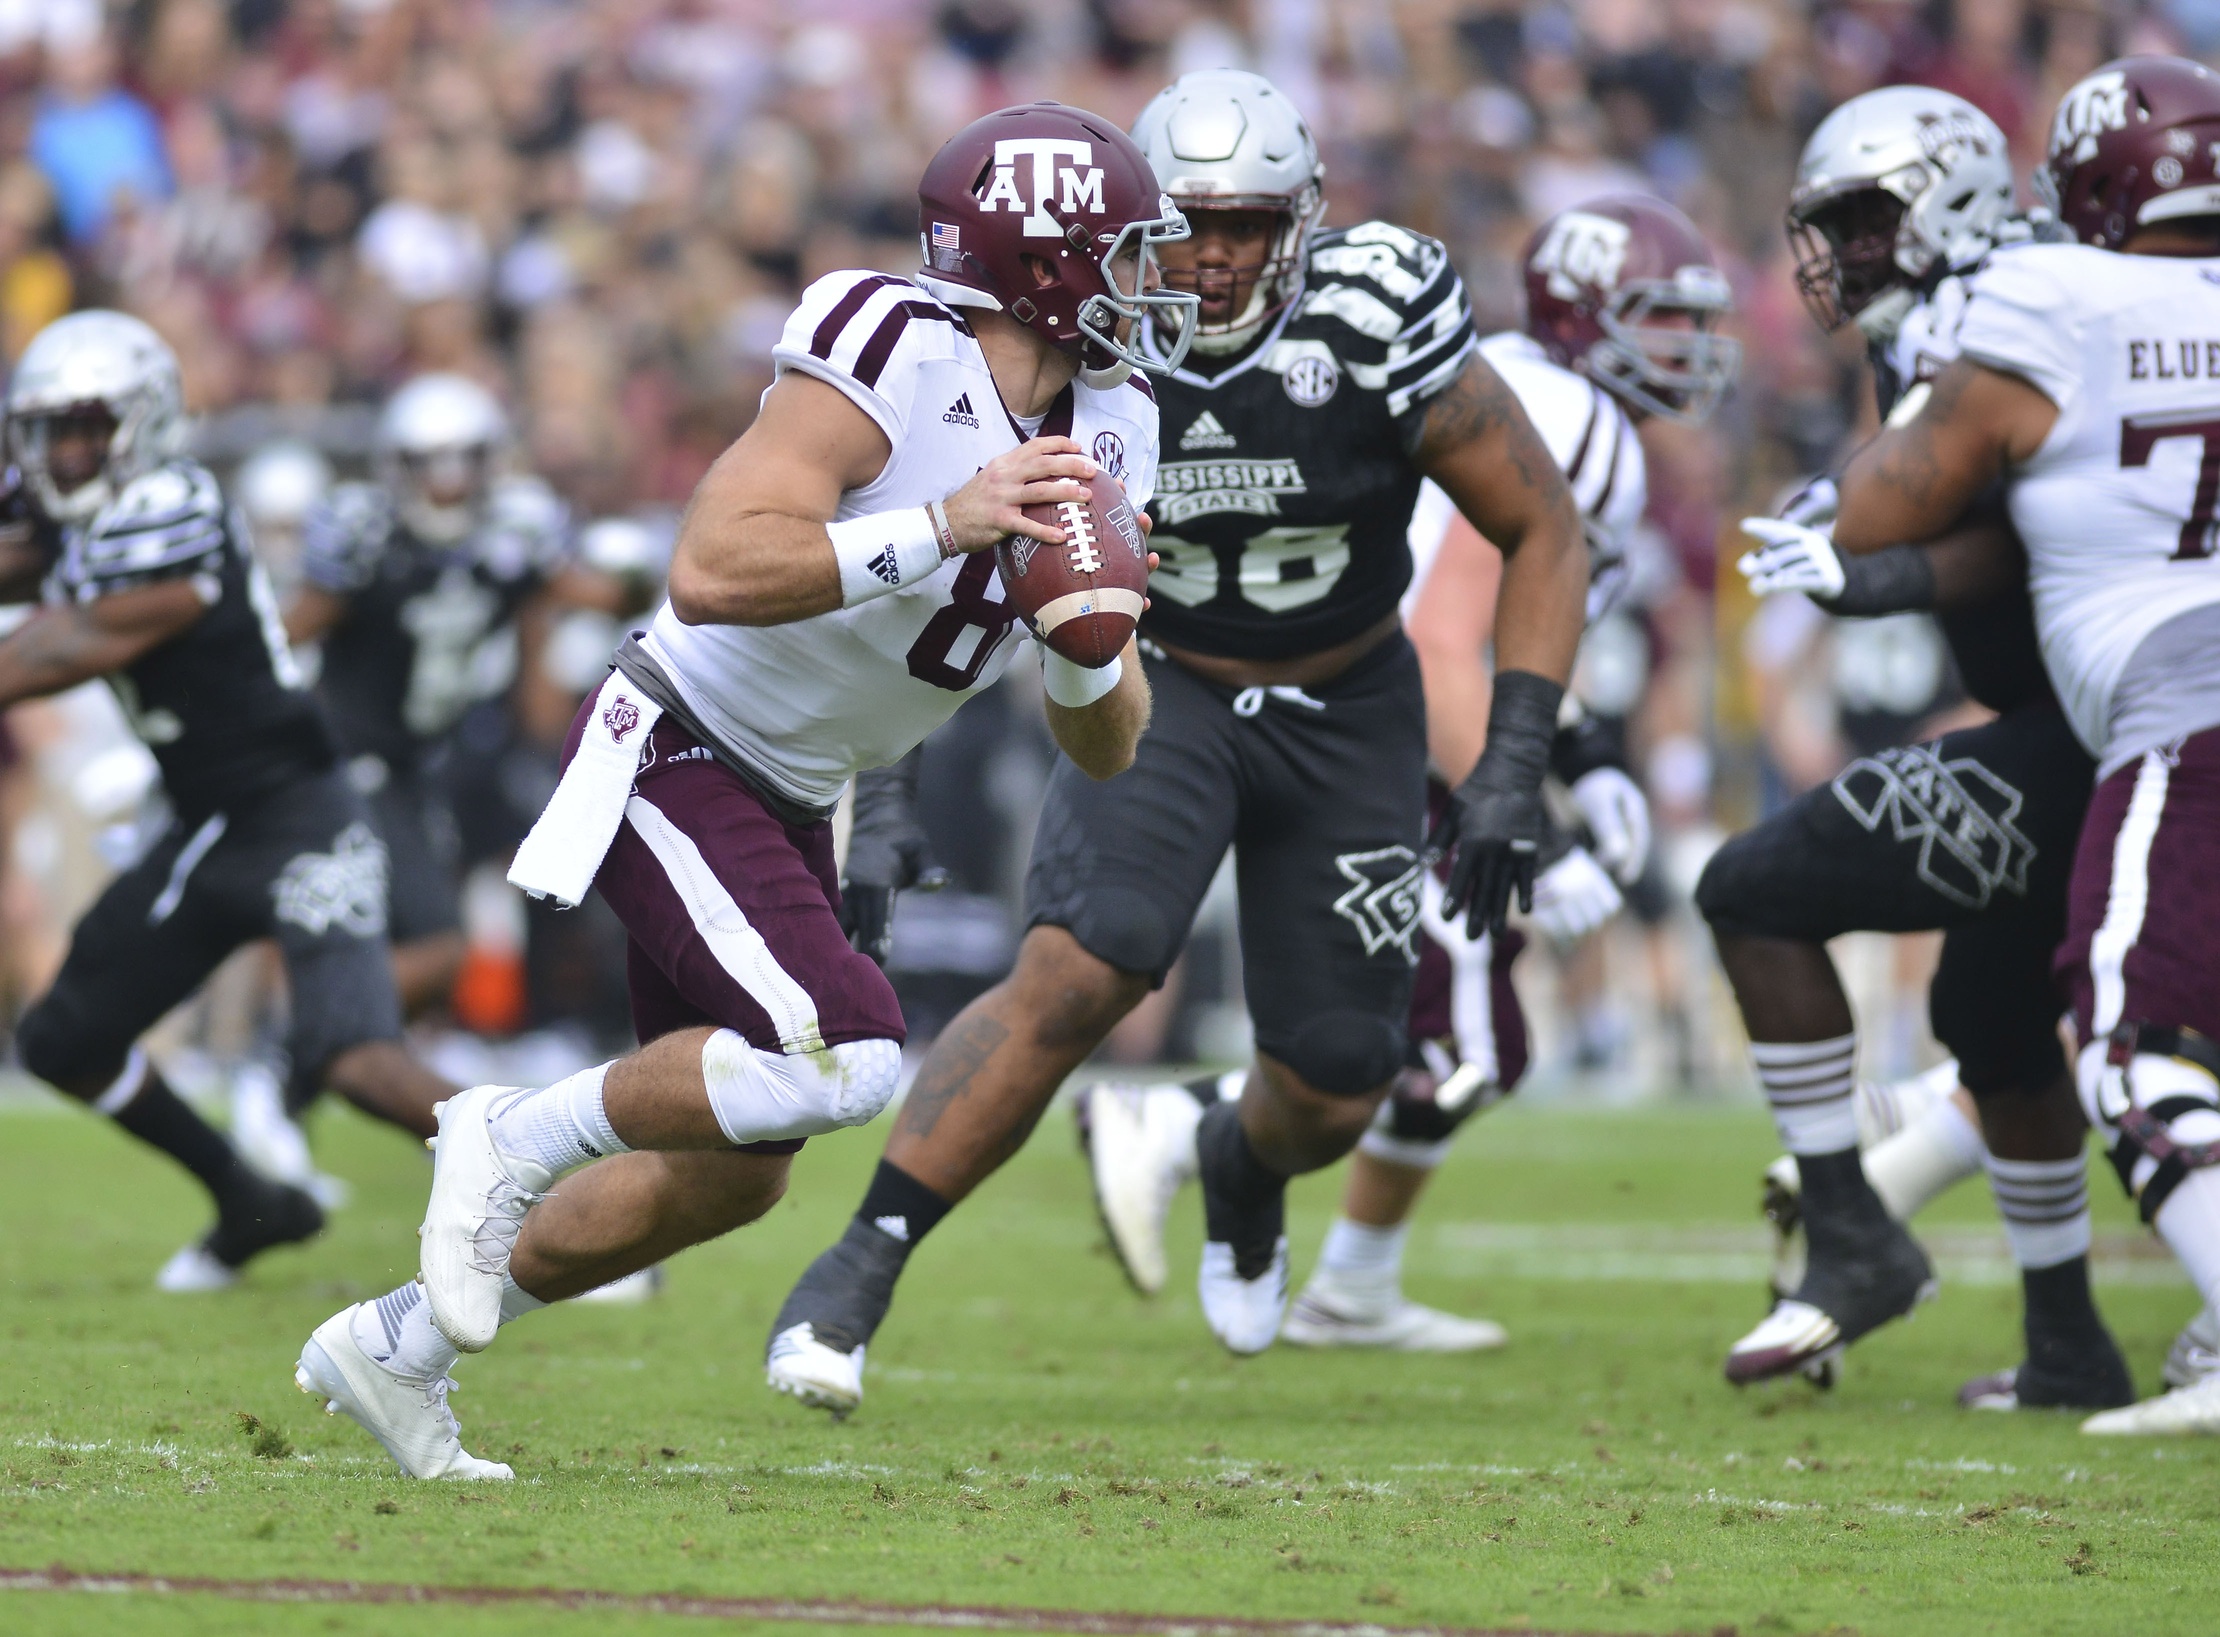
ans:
(2084, 380)
(1900, 195)
(832, 601)
(150, 582)
(1622, 302)
(1335, 371)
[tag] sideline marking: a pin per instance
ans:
(944, 1617)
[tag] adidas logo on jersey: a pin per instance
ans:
(1206, 433)
(960, 413)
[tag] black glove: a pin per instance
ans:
(887, 852)
(1496, 816)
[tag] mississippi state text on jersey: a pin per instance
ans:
(804, 706)
(2116, 508)
(222, 704)
(1285, 497)
(429, 629)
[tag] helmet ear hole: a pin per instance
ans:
(1045, 276)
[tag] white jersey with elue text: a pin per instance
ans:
(2117, 506)
(807, 705)
(1593, 441)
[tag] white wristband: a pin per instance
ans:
(1076, 686)
(883, 552)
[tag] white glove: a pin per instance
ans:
(1618, 817)
(1814, 505)
(1573, 897)
(1790, 557)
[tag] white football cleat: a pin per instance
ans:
(1140, 1143)
(1782, 1205)
(2185, 1410)
(479, 1197)
(822, 1377)
(192, 1271)
(410, 1418)
(629, 1291)
(1329, 1313)
(2196, 1351)
(1795, 1336)
(1245, 1314)
(271, 1141)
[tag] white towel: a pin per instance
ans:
(563, 854)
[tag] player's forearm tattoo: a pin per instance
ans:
(959, 1054)
(1480, 406)
(1905, 459)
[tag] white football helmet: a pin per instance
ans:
(1894, 186)
(1224, 139)
(439, 443)
(92, 363)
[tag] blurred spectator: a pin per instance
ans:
(98, 144)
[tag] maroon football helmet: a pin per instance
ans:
(1598, 275)
(2133, 144)
(1051, 215)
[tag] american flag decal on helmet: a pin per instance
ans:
(947, 236)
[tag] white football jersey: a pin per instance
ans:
(1593, 441)
(1923, 344)
(2116, 508)
(808, 704)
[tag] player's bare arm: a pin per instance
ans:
(1484, 452)
(1101, 738)
(753, 550)
(1450, 626)
(1914, 481)
(57, 648)
(312, 614)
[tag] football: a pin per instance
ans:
(1083, 598)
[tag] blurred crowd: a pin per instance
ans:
(604, 210)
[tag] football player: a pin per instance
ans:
(1623, 300)
(1332, 373)
(413, 585)
(832, 601)
(150, 583)
(2084, 380)
(1900, 196)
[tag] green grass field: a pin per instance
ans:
(1037, 1437)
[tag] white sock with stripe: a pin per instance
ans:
(1936, 1150)
(2045, 1206)
(397, 1331)
(562, 1126)
(1809, 1084)
(1356, 1253)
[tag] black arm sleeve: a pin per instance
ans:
(1584, 745)
(1894, 580)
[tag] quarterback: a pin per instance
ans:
(832, 601)
(2083, 381)
(1332, 373)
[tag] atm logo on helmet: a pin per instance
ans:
(1581, 249)
(2098, 104)
(1054, 160)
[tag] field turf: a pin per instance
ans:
(1036, 1437)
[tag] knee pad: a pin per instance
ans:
(59, 1044)
(768, 1096)
(2159, 1116)
(1420, 1116)
(1343, 1053)
(2002, 1028)
(1721, 898)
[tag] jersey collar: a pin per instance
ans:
(1248, 361)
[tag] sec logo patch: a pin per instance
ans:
(1110, 453)
(1311, 381)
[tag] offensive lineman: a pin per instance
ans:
(1900, 195)
(413, 585)
(832, 600)
(1622, 300)
(2084, 380)
(149, 582)
(1333, 373)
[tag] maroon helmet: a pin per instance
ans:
(1051, 215)
(2132, 144)
(1596, 275)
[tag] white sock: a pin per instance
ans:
(2189, 1221)
(1938, 1149)
(561, 1127)
(397, 1329)
(1809, 1085)
(1356, 1253)
(2045, 1206)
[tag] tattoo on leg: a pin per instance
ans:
(961, 1052)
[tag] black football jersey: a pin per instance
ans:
(430, 629)
(222, 704)
(1283, 499)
